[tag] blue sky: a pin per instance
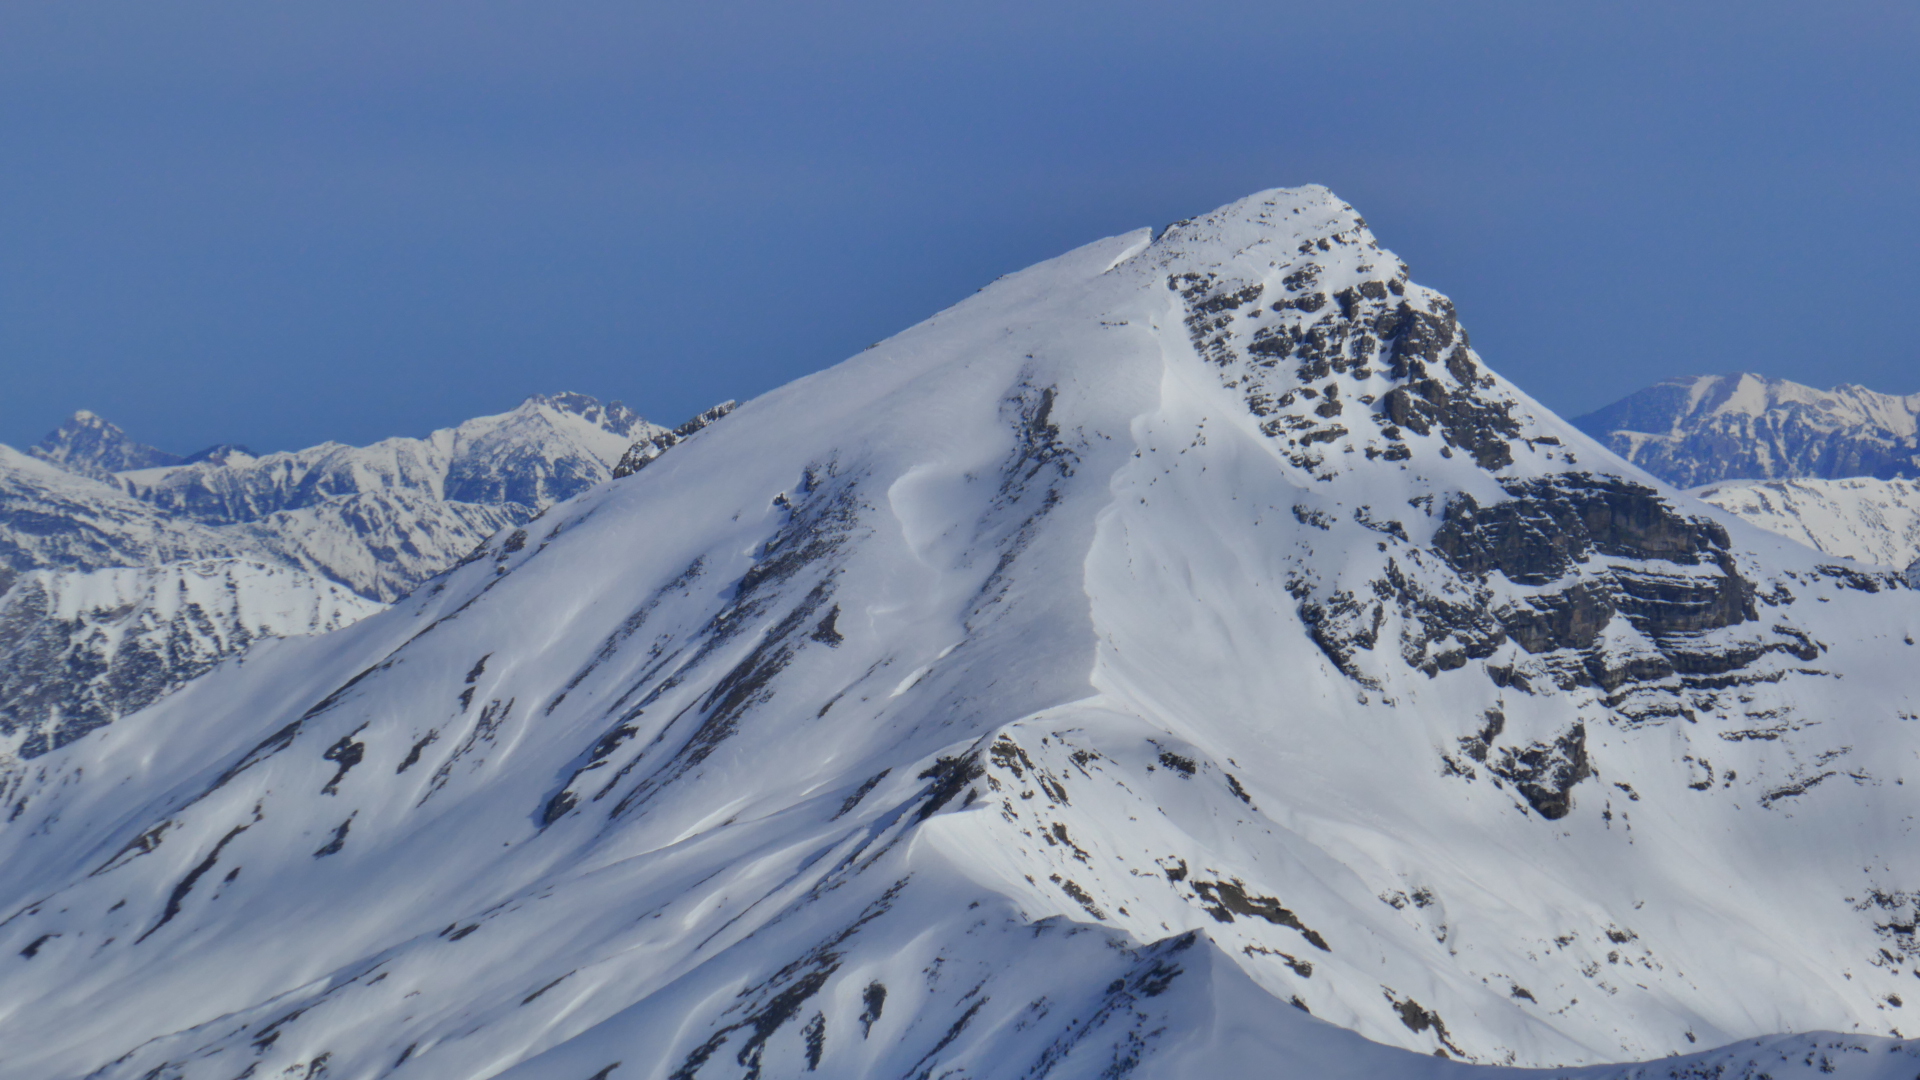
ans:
(281, 223)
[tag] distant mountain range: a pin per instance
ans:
(126, 570)
(1833, 469)
(1704, 429)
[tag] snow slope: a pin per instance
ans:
(86, 647)
(1181, 655)
(1872, 521)
(54, 519)
(1705, 429)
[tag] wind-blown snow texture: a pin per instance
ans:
(1181, 656)
(1705, 429)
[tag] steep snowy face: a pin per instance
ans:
(1871, 521)
(1172, 655)
(1708, 428)
(547, 449)
(90, 446)
(84, 648)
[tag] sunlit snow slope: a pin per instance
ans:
(1180, 656)
(1872, 521)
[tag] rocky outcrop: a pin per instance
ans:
(642, 453)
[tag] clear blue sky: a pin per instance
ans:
(278, 223)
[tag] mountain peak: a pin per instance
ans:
(611, 416)
(92, 446)
(1178, 637)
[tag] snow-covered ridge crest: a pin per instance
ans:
(1706, 429)
(1057, 689)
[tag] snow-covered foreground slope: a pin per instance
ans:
(1704, 429)
(1180, 655)
(1873, 521)
(86, 647)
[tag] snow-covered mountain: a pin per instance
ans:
(546, 450)
(51, 518)
(1181, 656)
(1705, 429)
(379, 519)
(1872, 521)
(86, 647)
(91, 446)
(295, 535)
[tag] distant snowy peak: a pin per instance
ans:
(91, 446)
(1707, 428)
(379, 519)
(52, 518)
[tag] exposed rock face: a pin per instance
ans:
(1710, 428)
(1549, 533)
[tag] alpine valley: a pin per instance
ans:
(1181, 658)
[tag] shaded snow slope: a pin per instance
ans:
(1704, 429)
(86, 647)
(1183, 654)
(1872, 521)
